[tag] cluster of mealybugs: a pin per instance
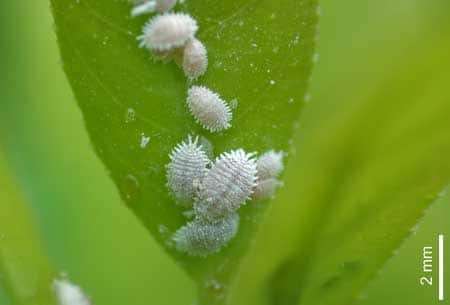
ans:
(215, 190)
(212, 190)
(171, 36)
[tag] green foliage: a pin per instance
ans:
(369, 154)
(26, 275)
(251, 60)
(369, 161)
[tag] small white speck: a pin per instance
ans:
(234, 103)
(130, 115)
(144, 140)
(272, 82)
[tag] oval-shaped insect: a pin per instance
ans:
(195, 59)
(226, 186)
(68, 293)
(265, 189)
(186, 170)
(199, 238)
(209, 109)
(150, 6)
(168, 31)
(270, 165)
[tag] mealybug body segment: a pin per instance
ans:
(195, 59)
(270, 165)
(209, 109)
(68, 293)
(266, 188)
(226, 186)
(199, 238)
(168, 31)
(150, 6)
(187, 167)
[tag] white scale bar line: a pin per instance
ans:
(441, 267)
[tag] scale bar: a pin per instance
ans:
(441, 266)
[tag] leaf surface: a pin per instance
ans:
(367, 167)
(260, 54)
(26, 274)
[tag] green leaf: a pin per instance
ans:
(260, 54)
(25, 273)
(365, 172)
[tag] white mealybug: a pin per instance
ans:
(209, 109)
(199, 238)
(226, 186)
(150, 6)
(268, 166)
(195, 59)
(68, 293)
(187, 167)
(168, 31)
(266, 188)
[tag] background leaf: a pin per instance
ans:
(26, 275)
(251, 60)
(370, 160)
(48, 150)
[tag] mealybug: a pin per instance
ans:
(195, 59)
(199, 238)
(168, 31)
(150, 6)
(209, 109)
(226, 186)
(266, 188)
(187, 167)
(270, 165)
(68, 293)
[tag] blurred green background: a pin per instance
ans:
(52, 170)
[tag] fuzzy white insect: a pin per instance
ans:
(168, 31)
(187, 168)
(199, 238)
(270, 164)
(195, 59)
(150, 6)
(68, 293)
(226, 186)
(266, 188)
(209, 109)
